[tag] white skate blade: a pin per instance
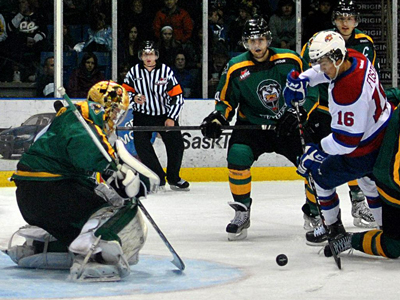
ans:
(361, 223)
(237, 236)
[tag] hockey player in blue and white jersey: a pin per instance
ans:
(360, 113)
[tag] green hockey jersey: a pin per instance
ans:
(65, 150)
(256, 89)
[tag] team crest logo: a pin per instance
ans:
(268, 92)
(97, 108)
(328, 38)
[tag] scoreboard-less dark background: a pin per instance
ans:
(376, 22)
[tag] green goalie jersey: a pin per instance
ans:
(256, 89)
(65, 150)
(358, 41)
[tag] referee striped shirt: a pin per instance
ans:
(160, 87)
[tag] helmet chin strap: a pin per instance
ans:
(337, 67)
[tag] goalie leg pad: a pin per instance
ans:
(27, 255)
(117, 235)
(112, 266)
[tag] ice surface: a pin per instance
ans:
(195, 221)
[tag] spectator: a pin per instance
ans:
(128, 49)
(68, 41)
(45, 80)
(320, 20)
(194, 49)
(99, 36)
(168, 46)
(216, 26)
(28, 37)
(283, 25)
(74, 11)
(236, 28)
(176, 17)
(123, 69)
(183, 75)
(219, 59)
(3, 29)
(134, 10)
(86, 75)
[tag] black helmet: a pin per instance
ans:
(254, 29)
(147, 47)
(346, 8)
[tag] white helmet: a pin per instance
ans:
(327, 44)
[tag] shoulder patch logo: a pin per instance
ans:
(162, 81)
(244, 74)
(269, 92)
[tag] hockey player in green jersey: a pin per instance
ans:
(253, 84)
(345, 18)
(385, 241)
(67, 209)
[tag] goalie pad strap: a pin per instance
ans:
(110, 229)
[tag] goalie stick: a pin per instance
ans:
(178, 128)
(312, 185)
(177, 261)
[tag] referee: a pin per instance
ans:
(156, 99)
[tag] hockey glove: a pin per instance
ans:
(288, 123)
(311, 160)
(296, 89)
(211, 125)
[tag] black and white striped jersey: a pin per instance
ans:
(162, 90)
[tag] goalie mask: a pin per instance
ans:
(115, 101)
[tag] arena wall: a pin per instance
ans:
(204, 159)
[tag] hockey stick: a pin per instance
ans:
(178, 128)
(177, 261)
(312, 185)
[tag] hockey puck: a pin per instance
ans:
(281, 260)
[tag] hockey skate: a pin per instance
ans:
(361, 213)
(339, 244)
(181, 185)
(319, 236)
(237, 228)
(311, 221)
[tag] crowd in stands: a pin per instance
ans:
(27, 33)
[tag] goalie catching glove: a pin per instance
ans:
(311, 160)
(211, 127)
(123, 184)
(296, 88)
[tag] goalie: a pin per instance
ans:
(95, 229)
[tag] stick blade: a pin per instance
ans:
(335, 257)
(177, 262)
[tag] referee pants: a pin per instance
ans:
(173, 141)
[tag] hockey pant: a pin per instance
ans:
(336, 170)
